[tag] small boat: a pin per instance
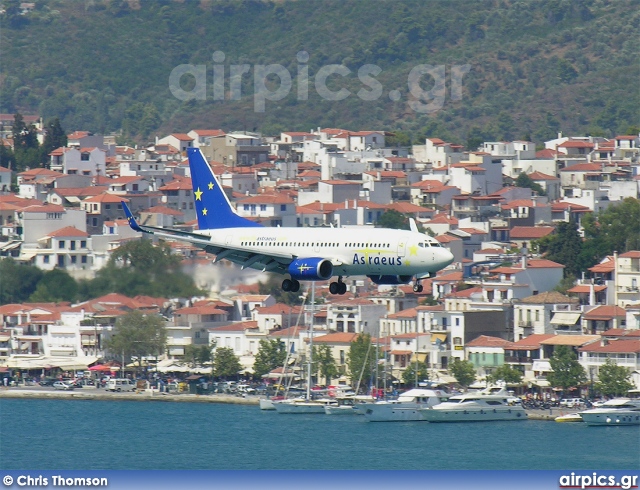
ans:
(406, 408)
(569, 417)
(486, 405)
(267, 403)
(619, 411)
(303, 405)
(344, 406)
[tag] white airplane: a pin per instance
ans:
(384, 255)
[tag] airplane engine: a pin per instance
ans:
(390, 279)
(311, 269)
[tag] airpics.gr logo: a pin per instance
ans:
(265, 88)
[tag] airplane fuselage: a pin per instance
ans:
(352, 251)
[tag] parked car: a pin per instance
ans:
(47, 381)
(244, 388)
(572, 402)
(62, 385)
(120, 384)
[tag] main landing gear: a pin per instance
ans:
(338, 287)
(291, 285)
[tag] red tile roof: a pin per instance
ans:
(531, 342)
(68, 231)
(576, 144)
(585, 288)
(614, 347)
(540, 176)
(605, 312)
(530, 232)
(336, 338)
(542, 264)
(488, 341)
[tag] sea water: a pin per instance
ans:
(84, 434)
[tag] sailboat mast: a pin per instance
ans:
(313, 307)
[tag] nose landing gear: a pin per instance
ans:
(417, 287)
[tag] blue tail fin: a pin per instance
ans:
(212, 206)
(132, 221)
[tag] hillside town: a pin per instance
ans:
(496, 305)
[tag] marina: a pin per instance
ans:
(99, 434)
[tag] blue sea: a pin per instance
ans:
(82, 434)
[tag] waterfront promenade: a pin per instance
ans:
(155, 396)
(138, 396)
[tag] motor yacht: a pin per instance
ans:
(406, 408)
(618, 411)
(302, 405)
(486, 405)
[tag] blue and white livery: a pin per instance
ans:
(386, 256)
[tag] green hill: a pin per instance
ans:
(534, 67)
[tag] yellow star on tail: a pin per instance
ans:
(204, 212)
(210, 185)
(198, 194)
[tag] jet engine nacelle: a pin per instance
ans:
(390, 279)
(311, 269)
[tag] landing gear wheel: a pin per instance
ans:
(295, 286)
(343, 288)
(287, 285)
(334, 288)
(417, 288)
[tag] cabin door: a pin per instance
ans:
(402, 246)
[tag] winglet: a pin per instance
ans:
(413, 226)
(132, 221)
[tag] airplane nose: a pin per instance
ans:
(447, 258)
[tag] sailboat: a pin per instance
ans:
(306, 404)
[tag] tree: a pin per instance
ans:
(361, 360)
(524, 180)
(55, 285)
(507, 374)
(25, 143)
(17, 281)
(409, 374)
(393, 219)
(564, 247)
(325, 363)
(137, 335)
(617, 227)
(139, 267)
(566, 370)
(463, 371)
(271, 354)
(613, 380)
(199, 355)
(54, 138)
(226, 364)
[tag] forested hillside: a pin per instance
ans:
(534, 67)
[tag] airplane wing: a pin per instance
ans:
(271, 261)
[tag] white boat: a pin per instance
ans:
(619, 411)
(406, 408)
(344, 406)
(486, 405)
(569, 417)
(302, 405)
